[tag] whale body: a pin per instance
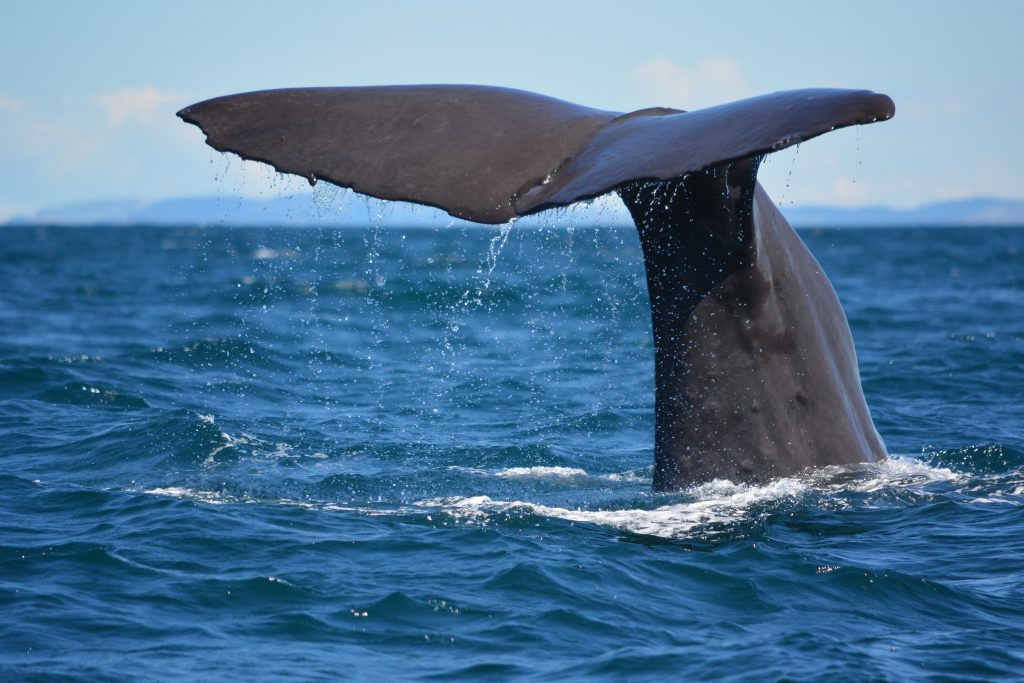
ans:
(755, 370)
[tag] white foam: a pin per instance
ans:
(717, 503)
(901, 472)
(541, 472)
(258, 446)
(996, 501)
(209, 497)
(1009, 491)
(549, 472)
(629, 476)
(709, 509)
(218, 498)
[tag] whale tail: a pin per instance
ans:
(755, 371)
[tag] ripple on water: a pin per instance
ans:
(368, 453)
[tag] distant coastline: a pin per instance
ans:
(346, 209)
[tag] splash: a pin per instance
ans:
(494, 249)
(717, 505)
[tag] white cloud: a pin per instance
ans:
(59, 145)
(848, 191)
(141, 106)
(65, 146)
(710, 81)
(9, 104)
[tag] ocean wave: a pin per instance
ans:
(551, 472)
(718, 503)
(712, 509)
(703, 512)
(185, 493)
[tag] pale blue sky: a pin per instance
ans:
(88, 89)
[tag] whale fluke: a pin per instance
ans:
(755, 370)
(490, 154)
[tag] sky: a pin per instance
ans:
(88, 90)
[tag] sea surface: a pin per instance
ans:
(412, 454)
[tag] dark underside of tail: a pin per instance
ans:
(490, 154)
(755, 371)
(695, 233)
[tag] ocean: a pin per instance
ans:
(411, 454)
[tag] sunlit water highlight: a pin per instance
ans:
(401, 454)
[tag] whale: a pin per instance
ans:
(755, 370)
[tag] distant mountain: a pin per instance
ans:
(288, 210)
(348, 209)
(979, 211)
(108, 211)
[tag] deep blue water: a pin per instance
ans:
(410, 454)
